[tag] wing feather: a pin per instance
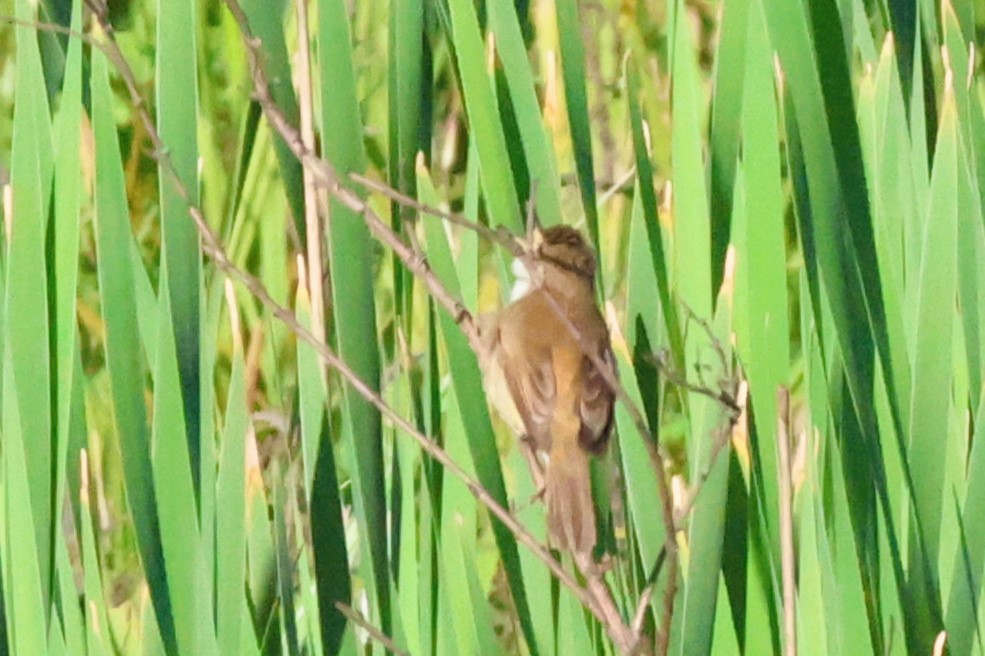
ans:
(595, 408)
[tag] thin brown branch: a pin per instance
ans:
(724, 397)
(598, 599)
(730, 393)
(415, 261)
(593, 598)
(213, 249)
(50, 27)
(357, 618)
(621, 634)
(619, 186)
(722, 440)
(501, 236)
(324, 174)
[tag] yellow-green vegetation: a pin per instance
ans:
(240, 408)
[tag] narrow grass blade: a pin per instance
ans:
(177, 122)
(893, 202)
(539, 156)
(484, 121)
(730, 87)
(68, 200)
(848, 626)
(312, 394)
(27, 320)
(461, 552)
(964, 602)
(116, 287)
(691, 258)
(706, 527)
(328, 540)
(466, 380)
(24, 601)
(414, 512)
(406, 68)
(762, 329)
(651, 219)
(929, 404)
(71, 622)
(267, 22)
(286, 594)
(406, 46)
(181, 543)
(576, 98)
(350, 258)
(641, 480)
(264, 628)
(230, 541)
(97, 623)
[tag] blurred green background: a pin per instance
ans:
(786, 197)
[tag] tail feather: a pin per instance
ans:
(570, 508)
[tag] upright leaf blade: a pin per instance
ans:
(177, 122)
(116, 288)
(350, 260)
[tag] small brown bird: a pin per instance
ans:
(543, 384)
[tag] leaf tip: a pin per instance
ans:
(948, 73)
(490, 52)
(778, 73)
(727, 290)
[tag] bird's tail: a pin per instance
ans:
(570, 508)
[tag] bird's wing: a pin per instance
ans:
(533, 388)
(597, 399)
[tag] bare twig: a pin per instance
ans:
(323, 173)
(721, 396)
(617, 186)
(596, 597)
(357, 618)
(621, 634)
(417, 263)
(213, 249)
(500, 236)
(414, 261)
(730, 393)
(50, 27)
(721, 441)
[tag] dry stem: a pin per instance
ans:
(214, 250)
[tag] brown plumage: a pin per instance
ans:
(541, 382)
